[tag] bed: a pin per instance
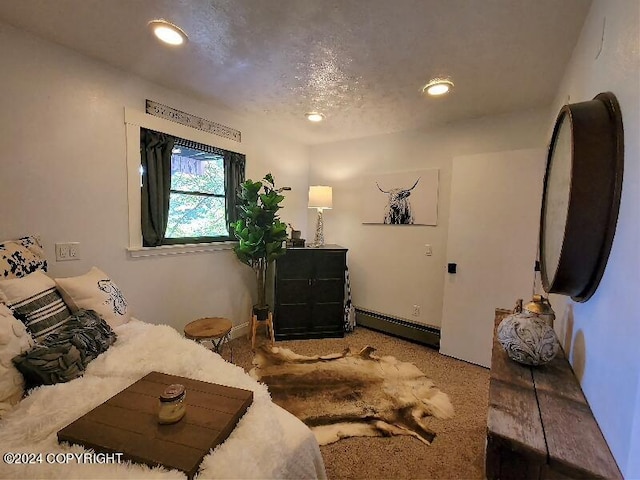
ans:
(267, 442)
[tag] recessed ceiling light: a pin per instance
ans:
(438, 86)
(168, 32)
(315, 117)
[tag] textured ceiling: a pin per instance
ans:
(360, 62)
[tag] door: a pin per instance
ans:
(493, 238)
(294, 271)
(328, 291)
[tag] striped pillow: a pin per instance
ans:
(35, 301)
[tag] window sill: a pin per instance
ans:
(165, 250)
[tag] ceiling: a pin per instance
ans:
(362, 63)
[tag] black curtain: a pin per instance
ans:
(234, 177)
(155, 153)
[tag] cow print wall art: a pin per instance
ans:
(403, 198)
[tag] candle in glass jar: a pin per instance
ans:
(171, 406)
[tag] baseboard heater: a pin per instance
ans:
(423, 334)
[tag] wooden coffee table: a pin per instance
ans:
(127, 423)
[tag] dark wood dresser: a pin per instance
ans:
(309, 293)
(539, 423)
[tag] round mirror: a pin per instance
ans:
(557, 196)
(581, 198)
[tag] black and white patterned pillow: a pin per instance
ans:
(64, 355)
(21, 257)
(95, 290)
(35, 301)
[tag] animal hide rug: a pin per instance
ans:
(352, 393)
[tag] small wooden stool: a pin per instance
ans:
(217, 330)
(254, 326)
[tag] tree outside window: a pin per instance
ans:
(197, 203)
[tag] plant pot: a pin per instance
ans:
(261, 312)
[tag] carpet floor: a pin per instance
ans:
(458, 449)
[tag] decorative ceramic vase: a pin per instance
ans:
(541, 308)
(527, 338)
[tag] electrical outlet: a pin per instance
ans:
(416, 311)
(67, 251)
(62, 252)
(74, 251)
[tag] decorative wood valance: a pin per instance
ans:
(169, 113)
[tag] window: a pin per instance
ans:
(188, 190)
(197, 202)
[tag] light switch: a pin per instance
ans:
(427, 250)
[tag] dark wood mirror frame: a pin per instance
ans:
(574, 249)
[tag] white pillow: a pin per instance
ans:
(35, 301)
(14, 340)
(95, 291)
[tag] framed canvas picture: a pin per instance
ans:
(403, 198)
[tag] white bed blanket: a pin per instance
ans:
(268, 442)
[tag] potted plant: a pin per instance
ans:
(260, 232)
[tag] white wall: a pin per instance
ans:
(63, 176)
(633, 464)
(603, 334)
(389, 271)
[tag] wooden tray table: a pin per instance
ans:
(127, 423)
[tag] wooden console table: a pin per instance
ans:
(539, 423)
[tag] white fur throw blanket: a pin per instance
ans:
(268, 442)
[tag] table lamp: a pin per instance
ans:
(320, 198)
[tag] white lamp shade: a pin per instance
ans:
(320, 196)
